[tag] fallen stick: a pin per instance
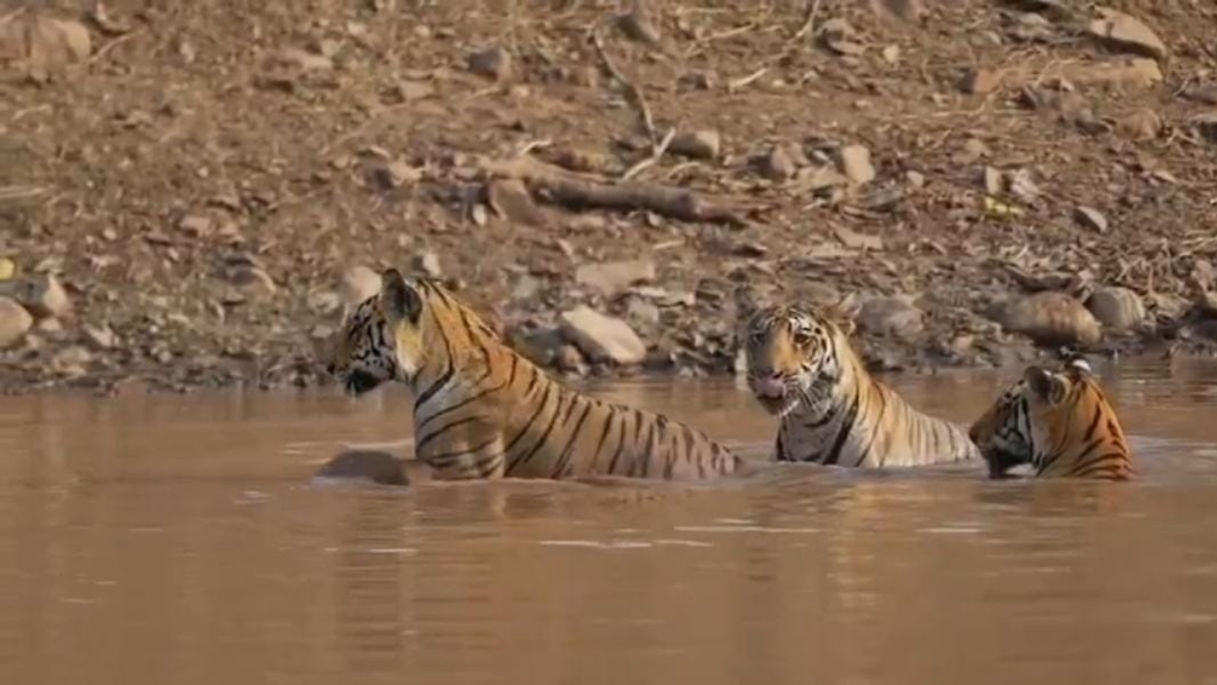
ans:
(578, 191)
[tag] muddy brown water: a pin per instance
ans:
(180, 539)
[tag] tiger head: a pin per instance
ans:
(382, 339)
(793, 355)
(1043, 411)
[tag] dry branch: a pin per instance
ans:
(579, 191)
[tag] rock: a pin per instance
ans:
(891, 316)
(1206, 126)
(41, 44)
(1091, 218)
(704, 144)
(71, 361)
(908, 10)
(392, 175)
(510, 199)
(1048, 318)
(427, 263)
(570, 360)
(15, 322)
(980, 81)
(296, 58)
(252, 281)
(1143, 124)
(602, 338)
(99, 337)
(358, 284)
(494, 62)
(324, 302)
(41, 295)
(409, 91)
(540, 346)
(839, 36)
(643, 313)
(637, 25)
(610, 278)
(8, 269)
(1124, 32)
(195, 226)
(1117, 309)
(371, 465)
(1204, 94)
(854, 162)
(777, 165)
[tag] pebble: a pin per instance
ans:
(777, 165)
(1128, 33)
(703, 144)
(99, 337)
(42, 295)
(15, 322)
(601, 337)
(854, 162)
(980, 81)
(894, 316)
(427, 264)
(493, 62)
(1091, 218)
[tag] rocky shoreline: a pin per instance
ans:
(191, 197)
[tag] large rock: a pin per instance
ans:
(15, 322)
(1048, 318)
(1118, 309)
(358, 284)
(42, 295)
(1125, 32)
(894, 316)
(365, 465)
(609, 278)
(602, 338)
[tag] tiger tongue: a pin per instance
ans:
(770, 387)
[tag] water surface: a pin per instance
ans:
(178, 539)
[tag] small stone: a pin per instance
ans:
(1143, 124)
(854, 162)
(643, 313)
(980, 81)
(1127, 33)
(99, 337)
(252, 280)
(892, 316)
(324, 302)
(602, 338)
(610, 278)
(1049, 318)
(915, 178)
(358, 284)
(1117, 309)
(195, 226)
(321, 332)
(540, 346)
(704, 144)
(993, 181)
(428, 263)
(300, 59)
(409, 91)
(71, 361)
(494, 62)
(365, 465)
(42, 295)
(15, 322)
(395, 174)
(637, 25)
(891, 54)
(1091, 218)
(777, 165)
(569, 360)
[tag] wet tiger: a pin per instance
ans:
(802, 368)
(481, 410)
(1060, 423)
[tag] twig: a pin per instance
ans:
(632, 93)
(809, 22)
(651, 161)
(738, 83)
(21, 192)
(101, 52)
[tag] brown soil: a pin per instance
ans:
(204, 146)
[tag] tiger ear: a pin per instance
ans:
(1046, 385)
(398, 300)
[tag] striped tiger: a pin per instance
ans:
(802, 368)
(482, 410)
(1060, 423)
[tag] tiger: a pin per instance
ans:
(801, 367)
(484, 411)
(1061, 423)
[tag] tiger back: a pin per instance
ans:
(1061, 423)
(802, 368)
(482, 410)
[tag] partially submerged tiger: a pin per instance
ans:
(481, 410)
(802, 368)
(1061, 423)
